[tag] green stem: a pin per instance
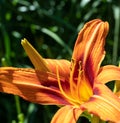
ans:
(17, 104)
(96, 119)
(7, 45)
(18, 108)
(116, 33)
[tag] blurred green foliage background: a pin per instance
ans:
(51, 26)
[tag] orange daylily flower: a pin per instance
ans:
(78, 85)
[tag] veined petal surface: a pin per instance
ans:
(46, 64)
(67, 114)
(89, 46)
(108, 73)
(33, 85)
(104, 103)
(62, 65)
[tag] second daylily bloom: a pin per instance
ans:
(78, 85)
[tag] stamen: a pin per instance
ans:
(70, 99)
(72, 81)
(79, 83)
(83, 89)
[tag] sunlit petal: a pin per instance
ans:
(67, 114)
(89, 47)
(104, 104)
(62, 65)
(45, 64)
(32, 85)
(108, 73)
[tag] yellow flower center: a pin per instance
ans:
(80, 89)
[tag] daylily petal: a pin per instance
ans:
(67, 114)
(62, 65)
(32, 85)
(89, 47)
(36, 59)
(118, 94)
(108, 73)
(45, 64)
(104, 103)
